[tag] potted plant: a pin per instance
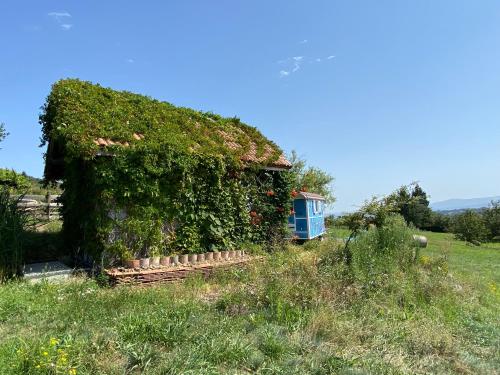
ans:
(217, 256)
(232, 254)
(165, 260)
(144, 261)
(201, 258)
(209, 256)
(130, 261)
(183, 259)
(155, 257)
(174, 259)
(193, 258)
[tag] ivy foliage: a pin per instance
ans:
(77, 112)
(178, 189)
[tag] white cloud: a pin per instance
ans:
(318, 60)
(292, 65)
(60, 17)
(303, 41)
(59, 14)
(130, 61)
(330, 57)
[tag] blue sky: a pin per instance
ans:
(378, 93)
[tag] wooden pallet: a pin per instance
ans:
(170, 274)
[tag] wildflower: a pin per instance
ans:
(72, 371)
(45, 353)
(53, 341)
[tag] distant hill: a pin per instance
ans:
(463, 204)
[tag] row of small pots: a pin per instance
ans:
(184, 259)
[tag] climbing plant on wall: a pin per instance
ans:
(175, 188)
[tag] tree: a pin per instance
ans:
(491, 217)
(469, 226)
(413, 205)
(3, 132)
(311, 179)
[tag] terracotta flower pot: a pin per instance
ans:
(183, 259)
(155, 261)
(209, 257)
(144, 262)
(224, 255)
(201, 258)
(238, 253)
(133, 263)
(165, 261)
(193, 258)
(174, 260)
(232, 254)
(217, 256)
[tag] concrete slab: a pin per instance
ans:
(50, 271)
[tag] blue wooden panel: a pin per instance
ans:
(300, 225)
(299, 206)
(291, 219)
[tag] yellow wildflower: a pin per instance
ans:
(53, 341)
(72, 371)
(45, 353)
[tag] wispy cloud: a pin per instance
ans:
(59, 14)
(303, 41)
(60, 18)
(292, 64)
(130, 61)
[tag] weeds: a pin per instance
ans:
(291, 313)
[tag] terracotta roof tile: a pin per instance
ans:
(229, 142)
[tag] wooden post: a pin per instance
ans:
(48, 205)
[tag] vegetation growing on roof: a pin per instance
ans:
(180, 185)
(77, 113)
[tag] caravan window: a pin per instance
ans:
(317, 207)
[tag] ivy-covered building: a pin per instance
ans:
(143, 177)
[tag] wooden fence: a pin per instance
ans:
(43, 208)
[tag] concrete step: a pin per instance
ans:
(50, 271)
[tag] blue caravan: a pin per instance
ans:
(308, 218)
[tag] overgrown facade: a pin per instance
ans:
(143, 177)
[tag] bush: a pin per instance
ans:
(12, 223)
(469, 226)
(380, 251)
(438, 222)
(491, 218)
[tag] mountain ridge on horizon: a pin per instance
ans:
(463, 203)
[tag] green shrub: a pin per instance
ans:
(380, 251)
(12, 223)
(491, 218)
(469, 226)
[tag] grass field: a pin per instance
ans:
(281, 316)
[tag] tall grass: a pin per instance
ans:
(12, 225)
(290, 313)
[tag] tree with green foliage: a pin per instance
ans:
(469, 226)
(438, 223)
(491, 217)
(3, 132)
(414, 205)
(311, 179)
